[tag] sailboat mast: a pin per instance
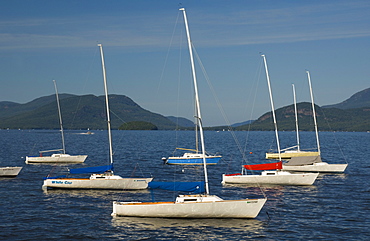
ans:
(313, 112)
(60, 117)
(296, 117)
(272, 106)
(107, 104)
(196, 131)
(196, 100)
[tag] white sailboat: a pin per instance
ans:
(271, 172)
(102, 177)
(312, 162)
(194, 157)
(192, 206)
(293, 151)
(9, 171)
(191, 158)
(57, 157)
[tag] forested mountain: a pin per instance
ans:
(181, 121)
(328, 119)
(88, 111)
(78, 112)
(358, 100)
(8, 108)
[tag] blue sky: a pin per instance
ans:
(45, 40)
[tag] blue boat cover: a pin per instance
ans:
(99, 169)
(194, 187)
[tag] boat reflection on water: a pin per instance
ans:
(339, 176)
(187, 228)
(103, 194)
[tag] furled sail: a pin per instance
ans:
(99, 169)
(265, 166)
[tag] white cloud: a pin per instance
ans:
(300, 22)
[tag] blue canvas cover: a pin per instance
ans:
(194, 187)
(99, 169)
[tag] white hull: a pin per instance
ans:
(208, 206)
(9, 171)
(56, 158)
(97, 181)
(317, 167)
(272, 177)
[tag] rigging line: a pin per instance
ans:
(258, 78)
(121, 136)
(336, 140)
(178, 90)
(33, 148)
(231, 130)
(141, 170)
(168, 51)
(84, 86)
(223, 113)
(219, 104)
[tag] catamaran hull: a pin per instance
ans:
(245, 208)
(74, 183)
(279, 179)
(56, 159)
(192, 161)
(317, 167)
(9, 171)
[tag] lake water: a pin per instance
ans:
(336, 207)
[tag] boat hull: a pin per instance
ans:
(192, 161)
(272, 178)
(56, 158)
(290, 154)
(86, 183)
(317, 167)
(245, 208)
(9, 171)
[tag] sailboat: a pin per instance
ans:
(191, 158)
(312, 162)
(271, 172)
(102, 177)
(294, 151)
(192, 206)
(9, 171)
(61, 157)
(194, 157)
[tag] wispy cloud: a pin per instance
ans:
(232, 27)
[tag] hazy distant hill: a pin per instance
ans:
(88, 111)
(328, 119)
(352, 114)
(242, 123)
(358, 100)
(78, 112)
(181, 121)
(8, 108)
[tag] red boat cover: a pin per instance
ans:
(266, 166)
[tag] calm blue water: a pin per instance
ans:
(336, 207)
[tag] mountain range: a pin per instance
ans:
(78, 112)
(358, 100)
(88, 111)
(352, 114)
(328, 119)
